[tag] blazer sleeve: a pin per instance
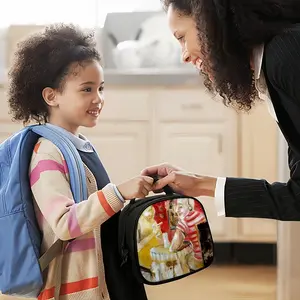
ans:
(258, 198)
(50, 186)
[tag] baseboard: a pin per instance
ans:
(245, 253)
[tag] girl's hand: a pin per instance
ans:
(137, 187)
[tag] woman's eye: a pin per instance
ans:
(88, 90)
(101, 88)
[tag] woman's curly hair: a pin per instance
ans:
(44, 60)
(228, 32)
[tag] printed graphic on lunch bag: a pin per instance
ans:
(173, 239)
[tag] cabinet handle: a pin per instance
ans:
(192, 106)
(220, 140)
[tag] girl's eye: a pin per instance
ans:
(101, 89)
(88, 90)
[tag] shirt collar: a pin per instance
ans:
(80, 142)
(258, 54)
(260, 81)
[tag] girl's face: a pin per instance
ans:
(185, 31)
(81, 99)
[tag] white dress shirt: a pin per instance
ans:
(262, 89)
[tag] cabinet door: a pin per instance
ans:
(201, 148)
(8, 129)
(258, 160)
(4, 110)
(122, 147)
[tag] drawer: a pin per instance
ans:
(189, 105)
(126, 104)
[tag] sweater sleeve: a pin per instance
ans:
(51, 190)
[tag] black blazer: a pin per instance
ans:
(259, 198)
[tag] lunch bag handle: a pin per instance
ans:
(167, 189)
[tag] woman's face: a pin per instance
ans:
(184, 29)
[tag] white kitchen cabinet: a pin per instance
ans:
(191, 115)
(122, 135)
(122, 147)
(188, 128)
(4, 111)
(7, 129)
(199, 148)
(198, 134)
(181, 126)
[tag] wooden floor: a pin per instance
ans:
(221, 283)
(217, 283)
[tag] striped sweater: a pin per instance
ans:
(59, 217)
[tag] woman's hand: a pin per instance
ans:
(181, 181)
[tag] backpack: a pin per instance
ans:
(21, 263)
(165, 237)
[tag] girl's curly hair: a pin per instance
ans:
(228, 30)
(43, 60)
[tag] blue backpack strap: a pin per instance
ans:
(77, 182)
(72, 157)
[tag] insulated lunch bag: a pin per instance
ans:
(165, 237)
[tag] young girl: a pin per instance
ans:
(56, 78)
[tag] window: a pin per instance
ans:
(86, 13)
(38, 12)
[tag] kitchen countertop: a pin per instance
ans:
(152, 77)
(148, 77)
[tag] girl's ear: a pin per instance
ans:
(49, 95)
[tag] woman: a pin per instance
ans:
(245, 49)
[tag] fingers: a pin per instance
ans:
(145, 192)
(148, 180)
(167, 180)
(160, 170)
(146, 183)
(150, 171)
(147, 187)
